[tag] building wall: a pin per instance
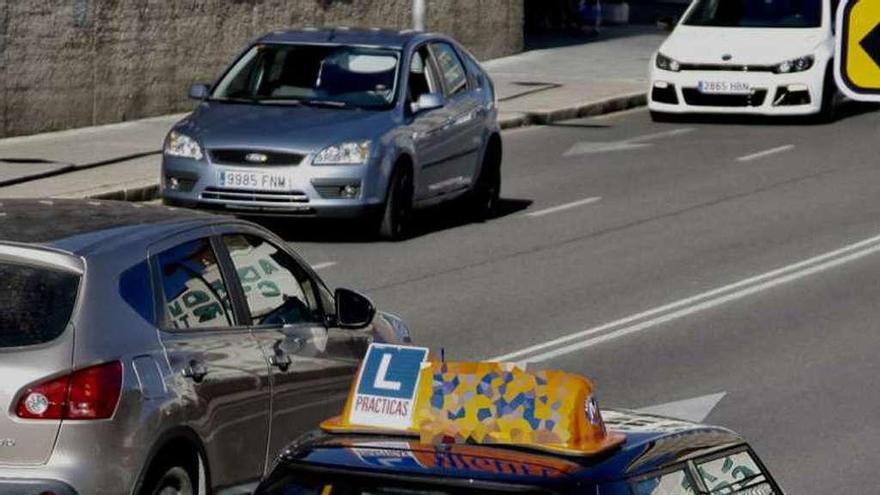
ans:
(73, 63)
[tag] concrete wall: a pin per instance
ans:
(73, 63)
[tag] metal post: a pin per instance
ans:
(418, 15)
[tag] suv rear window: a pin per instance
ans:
(35, 303)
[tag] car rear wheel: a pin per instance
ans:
(487, 191)
(396, 221)
(175, 480)
(173, 473)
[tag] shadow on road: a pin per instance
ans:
(846, 110)
(427, 221)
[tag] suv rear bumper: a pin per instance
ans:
(33, 487)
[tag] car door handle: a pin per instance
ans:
(195, 371)
(281, 361)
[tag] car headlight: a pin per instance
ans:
(666, 63)
(183, 146)
(799, 64)
(353, 153)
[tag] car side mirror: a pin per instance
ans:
(198, 91)
(353, 310)
(667, 23)
(428, 101)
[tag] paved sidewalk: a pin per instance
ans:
(121, 161)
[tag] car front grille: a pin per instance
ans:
(694, 97)
(727, 67)
(254, 157)
(216, 193)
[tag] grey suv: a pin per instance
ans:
(340, 123)
(149, 351)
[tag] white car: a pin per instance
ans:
(766, 57)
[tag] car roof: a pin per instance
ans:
(652, 443)
(388, 38)
(77, 226)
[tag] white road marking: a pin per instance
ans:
(566, 206)
(637, 142)
(321, 266)
(693, 304)
(696, 409)
(762, 154)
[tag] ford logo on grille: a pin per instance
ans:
(726, 57)
(256, 158)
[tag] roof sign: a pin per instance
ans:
(386, 386)
(399, 392)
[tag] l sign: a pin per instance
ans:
(382, 382)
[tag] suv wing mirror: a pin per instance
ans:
(198, 91)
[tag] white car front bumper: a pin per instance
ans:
(772, 94)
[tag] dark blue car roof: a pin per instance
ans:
(345, 36)
(652, 443)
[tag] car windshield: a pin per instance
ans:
(334, 76)
(35, 303)
(756, 13)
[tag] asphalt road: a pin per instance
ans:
(667, 261)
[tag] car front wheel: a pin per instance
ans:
(396, 221)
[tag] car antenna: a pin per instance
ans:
(443, 354)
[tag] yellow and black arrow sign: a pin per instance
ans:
(857, 63)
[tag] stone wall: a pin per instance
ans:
(73, 63)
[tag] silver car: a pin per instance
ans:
(150, 351)
(340, 123)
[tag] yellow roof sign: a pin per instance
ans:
(857, 61)
(401, 391)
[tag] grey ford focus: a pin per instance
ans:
(340, 123)
(148, 351)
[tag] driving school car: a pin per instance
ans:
(416, 425)
(769, 57)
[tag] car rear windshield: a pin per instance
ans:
(35, 303)
(305, 483)
(333, 76)
(756, 13)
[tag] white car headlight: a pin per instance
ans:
(666, 63)
(183, 146)
(799, 64)
(353, 153)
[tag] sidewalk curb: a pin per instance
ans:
(133, 194)
(588, 109)
(514, 120)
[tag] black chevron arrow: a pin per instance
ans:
(871, 44)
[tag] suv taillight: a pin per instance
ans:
(89, 393)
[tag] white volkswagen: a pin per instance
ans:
(768, 57)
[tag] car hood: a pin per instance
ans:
(758, 46)
(303, 129)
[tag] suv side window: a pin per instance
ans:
(677, 482)
(136, 289)
(736, 472)
(451, 69)
(277, 289)
(193, 288)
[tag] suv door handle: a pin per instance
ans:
(196, 371)
(281, 361)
